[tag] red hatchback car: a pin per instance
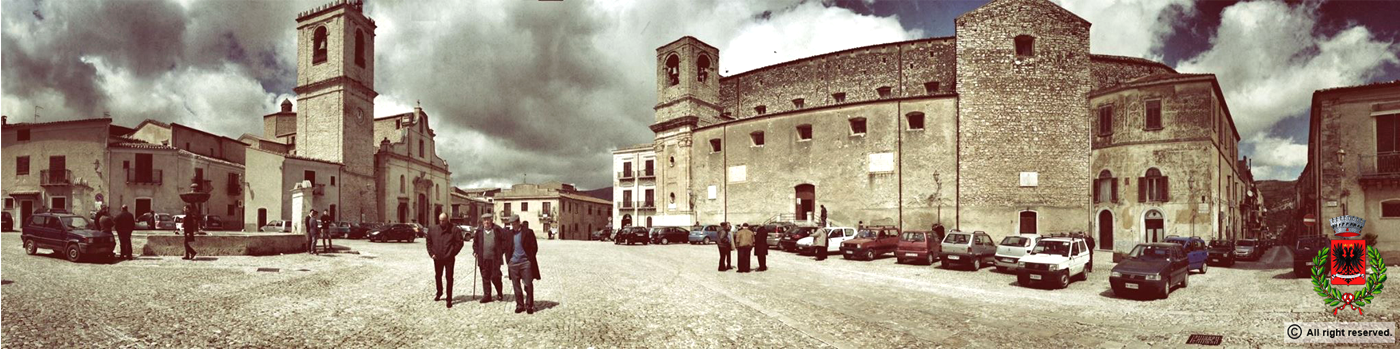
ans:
(871, 242)
(919, 247)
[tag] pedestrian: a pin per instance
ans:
(819, 239)
(524, 268)
(125, 224)
(312, 227)
(486, 248)
(327, 229)
(191, 225)
(724, 241)
(444, 242)
(105, 221)
(744, 240)
(823, 216)
(1089, 241)
(760, 249)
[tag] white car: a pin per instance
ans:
(1012, 248)
(834, 237)
(1057, 260)
(180, 223)
(277, 226)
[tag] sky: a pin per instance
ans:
(547, 89)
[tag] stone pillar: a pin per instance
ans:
(303, 200)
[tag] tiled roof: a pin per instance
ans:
(140, 145)
(1362, 86)
(1129, 60)
(1151, 79)
(60, 122)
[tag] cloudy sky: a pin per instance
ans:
(548, 88)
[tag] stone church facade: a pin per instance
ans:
(993, 129)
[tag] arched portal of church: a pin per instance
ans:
(806, 202)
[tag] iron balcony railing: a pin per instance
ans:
(55, 177)
(1381, 163)
(642, 174)
(625, 175)
(627, 204)
(646, 205)
(151, 177)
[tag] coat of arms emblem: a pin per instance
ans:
(1348, 262)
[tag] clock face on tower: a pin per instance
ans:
(359, 114)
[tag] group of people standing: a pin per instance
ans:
(318, 226)
(492, 246)
(751, 241)
(121, 225)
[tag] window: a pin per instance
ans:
(627, 198)
(318, 46)
(199, 173)
(673, 161)
(1153, 187)
(544, 206)
(524, 206)
(931, 87)
(1105, 120)
(1387, 143)
(673, 198)
(9, 203)
(332, 180)
(22, 135)
(309, 175)
(760, 109)
(1389, 209)
(715, 146)
(839, 97)
(804, 132)
(1105, 188)
(884, 91)
(627, 168)
(1025, 46)
(798, 103)
(401, 184)
(702, 68)
(1154, 115)
(360, 48)
(857, 126)
(757, 138)
(650, 168)
(22, 165)
(916, 120)
(673, 70)
(231, 209)
(421, 153)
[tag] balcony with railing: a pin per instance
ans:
(646, 205)
(627, 205)
(55, 177)
(1379, 168)
(626, 175)
(150, 177)
(646, 174)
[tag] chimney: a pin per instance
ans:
(286, 105)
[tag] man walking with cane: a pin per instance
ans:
(486, 248)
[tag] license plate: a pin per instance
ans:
(850, 252)
(1035, 277)
(911, 254)
(1130, 285)
(953, 257)
(1214, 259)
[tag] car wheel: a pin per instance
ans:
(1184, 279)
(707, 240)
(665, 241)
(73, 254)
(1203, 268)
(930, 259)
(870, 255)
(1064, 280)
(1166, 290)
(976, 264)
(30, 247)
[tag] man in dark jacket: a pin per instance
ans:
(725, 242)
(444, 242)
(524, 269)
(327, 229)
(487, 248)
(312, 227)
(760, 249)
(105, 221)
(190, 225)
(125, 224)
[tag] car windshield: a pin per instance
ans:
(1015, 241)
(1219, 243)
(913, 237)
(958, 238)
(866, 234)
(1052, 248)
(1151, 252)
(76, 222)
(164, 217)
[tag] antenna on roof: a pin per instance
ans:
(36, 113)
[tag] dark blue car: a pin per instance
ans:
(1196, 252)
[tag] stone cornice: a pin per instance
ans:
(675, 123)
(340, 80)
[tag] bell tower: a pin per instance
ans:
(335, 94)
(687, 90)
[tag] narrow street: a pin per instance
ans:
(597, 294)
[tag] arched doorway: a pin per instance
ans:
(1106, 230)
(806, 201)
(1154, 227)
(648, 221)
(626, 220)
(403, 212)
(421, 212)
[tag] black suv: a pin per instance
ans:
(1303, 253)
(634, 234)
(67, 233)
(1221, 253)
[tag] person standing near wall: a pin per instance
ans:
(311, 226)
(125, 224)
(724, 242)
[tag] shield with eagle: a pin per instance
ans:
(1348, 262)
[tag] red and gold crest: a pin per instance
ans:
(1348, 262)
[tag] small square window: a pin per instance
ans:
(757, 138)
(760, 109)
(839, 97)
(916, 120)
(857, 126)
(804, 132)
(716, 146)
(798, 103)
(332, 180)
(1025, 45)
(884, 91)
(931, 87)
(22, 135)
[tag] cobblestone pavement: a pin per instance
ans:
(603, 295)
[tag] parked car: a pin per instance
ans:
(668, 235)
(634, 234)
(165, 221)
(776, 231)
(601, 234)
(834, 237)
(277, 226)
(971, 249)
(1012, 248)
(788, 240)
(340, 229)
(1056, 259)
(68, 234)
(395, 232)
(213, 222)
(1151, 267)
(918, 247)
(704, 234)
(1304, 251)
(418, 229)
(180, 223)
(362, 230)
(9, 222)
(1221, 252)
(1248, 249)
(871, 242)
(1196, 253)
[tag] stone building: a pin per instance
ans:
(991, 129)
(414, 183)
(635, 170)
(553, 205)
(56, 165)
(467, 209)
(269, 194)
(1354, 161)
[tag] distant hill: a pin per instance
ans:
(604, 193)
(1279, 198)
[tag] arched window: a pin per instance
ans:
(673, 70)
(673, 198)
(1153, 187)
(1025, 45)
(1105, 188)
(360, 48)
(318, 46)
(702, 68)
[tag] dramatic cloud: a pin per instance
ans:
(1277, 157)
(1134, 28)
(1270, 57)
(513, 87)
